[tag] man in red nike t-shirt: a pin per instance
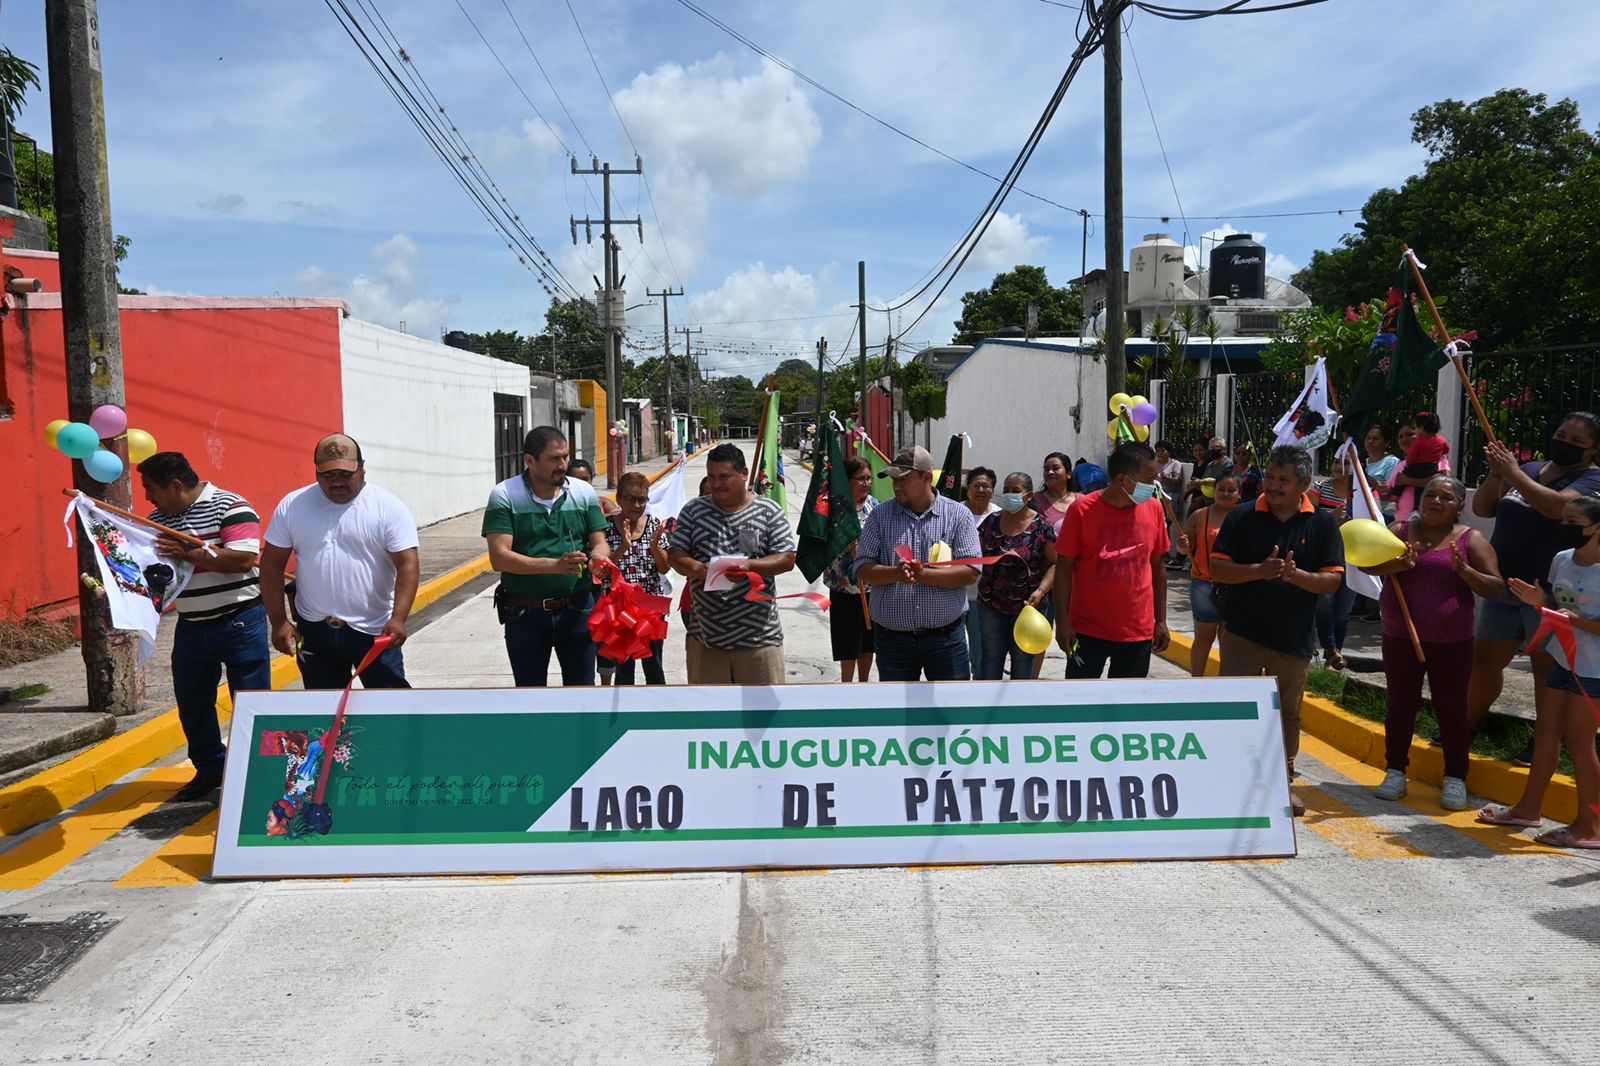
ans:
(1111, 581)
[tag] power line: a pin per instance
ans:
(1239, 7)
(885, 123)
(534, 56)
(460, 7)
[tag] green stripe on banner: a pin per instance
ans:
(840, 832)
(873, 718)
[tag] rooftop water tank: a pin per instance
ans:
(1155, 269)
(1239, 268)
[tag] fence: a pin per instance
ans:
(1188, 412)
(1259, 399)
(1524, 394)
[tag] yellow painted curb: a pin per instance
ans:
(49, 792)
(1363, 740)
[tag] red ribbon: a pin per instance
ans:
(626, 619)
(1558, 625)
(330, 740)
(757, 583)
(903, 551)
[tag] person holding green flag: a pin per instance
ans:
(837, 504)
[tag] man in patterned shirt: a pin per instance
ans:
(222, 626)
(731, 639)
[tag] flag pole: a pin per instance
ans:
(130, 516)
(761, 435)
(1399, 593)
(1444, 338)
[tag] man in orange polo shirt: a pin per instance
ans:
(1275, 559)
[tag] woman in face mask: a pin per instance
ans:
(1024, 579)
(1527, 502)
(1199, 535)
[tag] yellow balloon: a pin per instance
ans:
(1140, 433)
(1208, 488)
(141, 446)
(1119, 401)
(940, 552)
(1032, 632)
(1369, 543)
(1135, 401)
(54, 428)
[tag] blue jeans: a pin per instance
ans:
(332, 653)
(904, 656)
(974, 633)
(1333, 616)
(532, 635)
(201, 652)
(989, 662)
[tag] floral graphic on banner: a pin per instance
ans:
(294, 815)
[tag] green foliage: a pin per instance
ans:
(1503, 213)
(16, 75)
(572, 344)
(1005, 303)
(36, 185)
(924, 391)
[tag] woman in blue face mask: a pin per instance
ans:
(1021, 579)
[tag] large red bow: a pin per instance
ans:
(627, 618)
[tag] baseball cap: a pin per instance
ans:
(907, 460)
(337, 452)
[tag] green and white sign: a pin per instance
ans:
(673, 778)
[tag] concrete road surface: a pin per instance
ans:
(1400, 934)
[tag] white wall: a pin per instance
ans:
(423, 413)
(1015, 402)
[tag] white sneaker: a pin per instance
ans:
(1453, 796)
(1394, 786)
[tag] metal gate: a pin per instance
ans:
(1524, 395)
(1188, 412)
(1259, 400)
(508, 434)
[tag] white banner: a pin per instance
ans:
(139, 584)
(724, 777)
(1310, 422)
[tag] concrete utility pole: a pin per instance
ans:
(666, 348)
(822, 384)
(89, 312)
(609, 297)
(694, 371)
(1116, 292)
(861, 328)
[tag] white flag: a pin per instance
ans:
(139, 583)
(667, 495)
(1362, 505)
(1311, 421)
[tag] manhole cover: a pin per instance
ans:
(34, 954)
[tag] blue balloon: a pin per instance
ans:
(78, 440)
(105, 467)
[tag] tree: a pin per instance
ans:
(793, 379)
(1005, 303)
(572, 344)
(1502, 213)
(16, 75)
(36, 171)
(924, 391)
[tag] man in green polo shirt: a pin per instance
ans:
(543, 529)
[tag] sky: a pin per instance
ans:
(254, 152)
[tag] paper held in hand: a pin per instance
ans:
(717, 579)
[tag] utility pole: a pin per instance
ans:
(609, 297)
(861, 328)
(89, 312)
(822, 386)
(1116, 292)
(666, 348)
(694, 372)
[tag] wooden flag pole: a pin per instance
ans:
(1444, 338)
(130, 516)
(761, 437)
(1399, 593)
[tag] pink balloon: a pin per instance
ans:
(1144, 414)
(109, 421)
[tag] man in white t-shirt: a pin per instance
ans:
(356, 576)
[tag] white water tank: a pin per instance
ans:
(1155, 270)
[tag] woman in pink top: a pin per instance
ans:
(1445, 563)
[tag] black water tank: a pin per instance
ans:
(1239, 268)
(458, 339)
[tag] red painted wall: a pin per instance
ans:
(243, 387)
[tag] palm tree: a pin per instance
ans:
(16, 75)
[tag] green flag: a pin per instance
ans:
(1403, 357)
(769, 479)
(950, 473)
(882, 487)
(828, 523)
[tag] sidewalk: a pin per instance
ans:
(43, 730)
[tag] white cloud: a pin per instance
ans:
(1006, 244)
(393, 292)
(757, 293)
(705, 132)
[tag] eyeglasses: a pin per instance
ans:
(636, 500)
(335, 475)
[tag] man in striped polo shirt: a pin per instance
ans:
(731, 639)
(222, 626)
